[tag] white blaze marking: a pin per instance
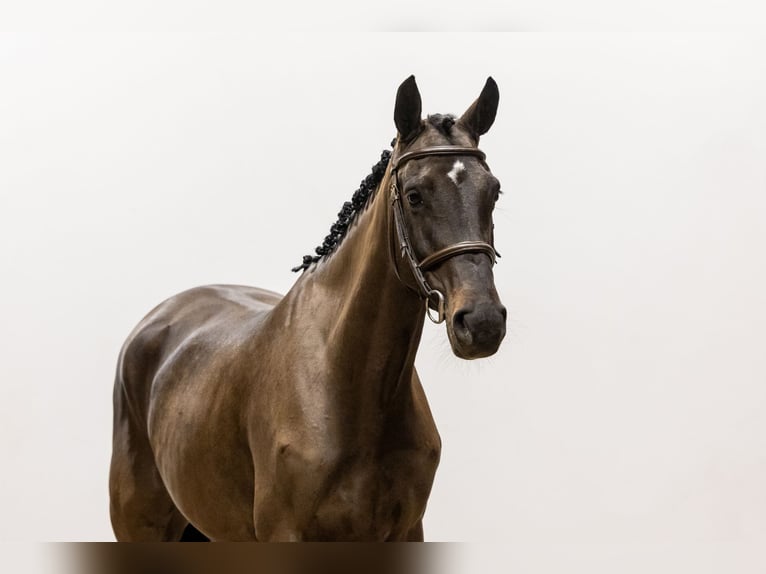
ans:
(456, 170)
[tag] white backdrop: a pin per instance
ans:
(626, 407)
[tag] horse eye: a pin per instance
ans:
(414, 198)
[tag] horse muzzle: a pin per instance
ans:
(476, 330)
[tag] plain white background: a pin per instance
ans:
(622, 420)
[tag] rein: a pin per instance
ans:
(433, 297)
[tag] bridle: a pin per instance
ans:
(433, 297)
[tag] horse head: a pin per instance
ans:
(443, 196)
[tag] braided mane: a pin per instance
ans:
(349, 212)
(350, 209)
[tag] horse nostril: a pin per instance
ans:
(458, 319)
(504, 312)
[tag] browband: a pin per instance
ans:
(436, 150)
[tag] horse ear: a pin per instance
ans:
(407, 110)
(478, 118)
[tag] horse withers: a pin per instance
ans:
(245, 415)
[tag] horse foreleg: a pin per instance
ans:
(416, 533)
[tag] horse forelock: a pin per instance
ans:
(442, 122)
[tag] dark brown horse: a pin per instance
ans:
(253, 416)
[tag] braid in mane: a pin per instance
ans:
(349, 212)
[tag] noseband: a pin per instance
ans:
(432, 297)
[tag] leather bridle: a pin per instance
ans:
(433, 297)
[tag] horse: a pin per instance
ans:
(243, 415)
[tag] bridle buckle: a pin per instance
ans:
(439, 306)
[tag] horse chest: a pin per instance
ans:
(374, 499)
(366, 497)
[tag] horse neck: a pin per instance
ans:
(372, 322)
